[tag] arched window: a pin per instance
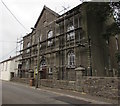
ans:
(28, 45)
(71, 33)
(71, 59)
(42, 63)
(50, 35)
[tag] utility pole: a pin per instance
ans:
(17, 46)
(38, 62)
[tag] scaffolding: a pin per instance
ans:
(20, 43)
(60, 48)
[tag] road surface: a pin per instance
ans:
(13, 93)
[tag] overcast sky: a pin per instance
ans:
(27, 12)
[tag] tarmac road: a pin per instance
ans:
(13, 93)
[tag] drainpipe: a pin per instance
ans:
(89, 56)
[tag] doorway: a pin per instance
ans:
(11, 75)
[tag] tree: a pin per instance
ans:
(100, 10)
(115, 6)
(105, 11)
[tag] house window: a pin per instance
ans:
(50, 35)
(3, 66)
(27, 64)
(44, 23)
(70, 32)
(71, 59)
(40, 39)
(28, 45)
(50, 70)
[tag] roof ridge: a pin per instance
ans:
(47, 8)
(51, 10)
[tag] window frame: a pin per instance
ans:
(27, 65)
(28, 45)
(70, 32)
(50, 35)
(71, 59)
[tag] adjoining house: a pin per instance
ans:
(65, 43)
(10, 68)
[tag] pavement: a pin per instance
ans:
(75, 97)
(79, 95)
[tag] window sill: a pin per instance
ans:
(71, 66)
(70, 40)
(50, 73)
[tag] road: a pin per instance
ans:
(13, 93)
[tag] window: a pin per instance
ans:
(27, 64)
(50, 70)
(40, 39)
(50, 35)
(44, 23)
(43, 63)
(107, 42)
(28, 45)
(3, 66)
(6, 67)
(71, 59)
(40, 46)
(71, 33)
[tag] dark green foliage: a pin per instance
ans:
(106, 36)
(111, 30)
(99, 10)
(118, 56)
(103, 11)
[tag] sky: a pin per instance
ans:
(27, 13)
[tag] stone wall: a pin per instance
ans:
(62, 84)
(98, 86)
(101, 86)
(106, 87)
(46, 82)
(21, 80)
